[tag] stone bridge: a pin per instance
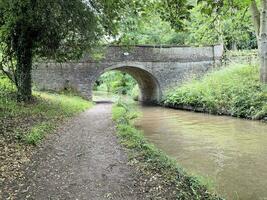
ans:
(157, 69)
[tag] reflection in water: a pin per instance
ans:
(231, 152)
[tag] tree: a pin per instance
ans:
(231, 27)
(178, 11)
(259, 18)
(148, 29)
(50, 29)
(260, 23)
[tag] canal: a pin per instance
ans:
(230, 153)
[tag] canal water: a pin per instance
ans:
(231, 153)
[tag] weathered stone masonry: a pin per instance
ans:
(156, 68)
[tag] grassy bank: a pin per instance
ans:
(159, 176)
(24, 125)
(234, 90)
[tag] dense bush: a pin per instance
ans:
(234, 90)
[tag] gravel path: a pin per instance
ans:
(82, 161)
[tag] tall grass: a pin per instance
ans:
(234, 90)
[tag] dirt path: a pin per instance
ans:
(82, 161)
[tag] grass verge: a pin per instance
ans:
(25, 124)
(160, 176)
(234, 90)
(30, 122)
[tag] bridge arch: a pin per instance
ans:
(156, 68)
(150, 90)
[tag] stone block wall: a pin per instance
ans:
(156, 69)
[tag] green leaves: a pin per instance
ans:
(235, 91)
(51, 29)
(175, 12)
(58, 29)
(116, 82)
(208, 21)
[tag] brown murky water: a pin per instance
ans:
(230, 152)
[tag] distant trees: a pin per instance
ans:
(177, 11)
(116, 82)
(232, 27)
(56, 29)
(148, 29)
(156, 23)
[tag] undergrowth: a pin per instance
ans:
(234, 90)
(161, 176)
(22, 126)
(30, 122)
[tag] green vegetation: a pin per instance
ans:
(149, 29)
(52, 30)
(169, 180)
(211, 27)
(234, 90)
(22, 126)
(117, 82)
(59, 30)
(196, 24)
(31, 122)
(56, 108)
(229, 19)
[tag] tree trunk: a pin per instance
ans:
(233, 46)
(24, 66)
(260, 23)
(255, 13)
(263, 42)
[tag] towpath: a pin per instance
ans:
(83, 160)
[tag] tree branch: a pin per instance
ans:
(7, 65)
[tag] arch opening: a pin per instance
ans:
(149, 87)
